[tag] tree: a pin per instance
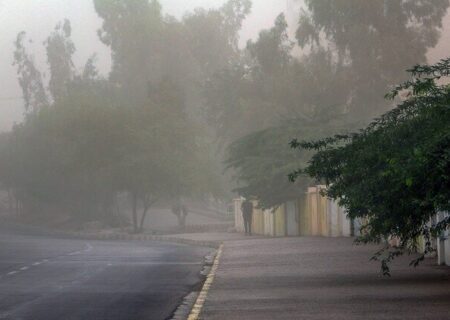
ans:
(60, 49)
(244, 97)
(161, 159)
(259, 106)
(132, 29)
(272, 51)
(395, 173)
(355, 51)
(148, 50)
(61, 157)
(214, 34)
(30, 78)
(377, 39)
(260, 163)
(140, 131)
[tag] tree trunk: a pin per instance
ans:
(134, 211)
(148, 202)
(144, 214)
(10, 202)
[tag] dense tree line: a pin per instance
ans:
(86, 139)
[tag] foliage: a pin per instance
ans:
(261, 163)
(257, 108)
(60, 49)
(355, 50)
(138, 132)
(376, 39)
(395, 173)
(147, 48)
(30, 78)
(60, 156)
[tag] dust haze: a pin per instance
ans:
(147, 116)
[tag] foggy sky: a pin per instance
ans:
(38, 18)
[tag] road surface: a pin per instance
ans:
(45, 278)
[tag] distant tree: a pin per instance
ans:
(160, 149)
(242, 98)
(269, 85)
(376, 39)
(273, 49)
(147, 49)
(213, 35)
(258, 107)
(60, 49)
(29, 76)
(62, 156)
(395, 173)
(139, 131)
(133, 31)
(6, 168)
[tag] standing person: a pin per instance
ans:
(247, 212)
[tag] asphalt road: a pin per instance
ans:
(45, 278)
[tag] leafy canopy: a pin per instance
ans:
(395, 174)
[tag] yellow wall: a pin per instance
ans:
(313, 211)
(315, 217)
(322, 213)
(280, 222)
(258, 221)
(304, 216)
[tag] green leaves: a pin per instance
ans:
(395, 172)
(409, 182)
(263, 160)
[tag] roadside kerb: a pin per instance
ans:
(138, 237)
(200, 301)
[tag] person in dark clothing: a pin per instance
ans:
(247, 212)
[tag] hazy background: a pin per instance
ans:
(39, 17)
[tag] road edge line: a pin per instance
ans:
(200, 301)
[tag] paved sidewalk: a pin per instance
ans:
(321, 278)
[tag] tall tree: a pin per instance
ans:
(161, 160)
(60, 49)
(29, 76)
(214, 35)
(148, 48)
(377, 39)
(132, 29)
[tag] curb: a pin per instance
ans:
(198, 305)
(139, 237)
